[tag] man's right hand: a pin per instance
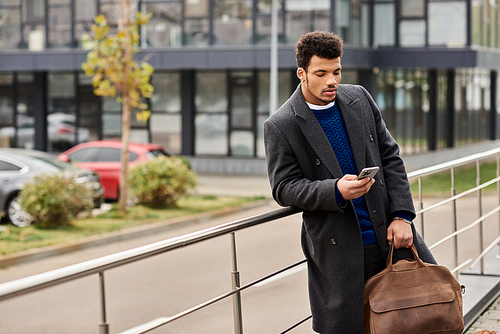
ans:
(350, 187)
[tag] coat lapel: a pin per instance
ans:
(314, 133)
(316, 137)
(354, 124)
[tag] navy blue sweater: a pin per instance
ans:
(332, 123)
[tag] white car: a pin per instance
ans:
(61, 132)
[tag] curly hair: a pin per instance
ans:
(323, 44)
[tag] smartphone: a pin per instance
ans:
(368, 172)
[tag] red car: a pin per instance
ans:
(104, 158)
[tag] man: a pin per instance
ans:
(316, 144)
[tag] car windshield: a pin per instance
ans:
(50, 163)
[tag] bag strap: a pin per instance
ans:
(414, 251)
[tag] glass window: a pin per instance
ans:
(211, 91)
(384, 17)
(89, 112)
(447, 23)
(10, 28)
(305, 16)
(365, 25)
(412, 8)
(263, 27)
(110, 10)
(165, 122)
(6, 113)
(211, 134)
(232, 22)
(59, 26)
(111, 119)
(7, 166)
(25, 120)
(412, 33)
(242, 143)
(241, 107)
(85, 154)
(110, 154)
(476, 21)
(166, 95)
(166, 130)
(34, 10)
(196, 8)
(284, 91)
(164, 28)
(263, 90)
(85, 12)
(197, 31)
(62, 112)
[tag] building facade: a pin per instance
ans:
(431, 66)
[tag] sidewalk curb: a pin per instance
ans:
(127, 234)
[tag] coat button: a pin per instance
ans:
(371, 137)
(333, 242)
(382, 182)
(374, 211)
(318, 162)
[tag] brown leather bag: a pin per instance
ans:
(413, 297)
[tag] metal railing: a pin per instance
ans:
(451, 166)
(100, 265)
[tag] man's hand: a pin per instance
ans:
(350, 187)
(402, 234)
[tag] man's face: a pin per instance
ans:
(320, 80)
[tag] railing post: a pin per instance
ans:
(421, 199)
(454, 218)
(103, 326)
(498, 189)
(235, 276)
(481, 241)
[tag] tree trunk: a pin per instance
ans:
(126, 107)
(124, 185)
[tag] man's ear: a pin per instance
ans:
(301, 74)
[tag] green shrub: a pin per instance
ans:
(53, 200)
(162, 181)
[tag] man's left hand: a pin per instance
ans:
(402, 234)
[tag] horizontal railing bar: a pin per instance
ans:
(165, 320)
(462, 194)
(54, 277)
(461, 266)
(296, 325)
(468, 227)
(452, 163)
(485, 251)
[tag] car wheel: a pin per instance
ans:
(16, 215)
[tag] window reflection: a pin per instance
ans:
(164, 28)
(10, 23)
(447, 23)
(165, 121)
(211, 91)
(232, 22)
(60, 26)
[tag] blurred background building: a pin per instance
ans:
(431, 65)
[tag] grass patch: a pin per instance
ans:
(465, 178)
(15, 239)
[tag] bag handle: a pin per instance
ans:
(413, 249)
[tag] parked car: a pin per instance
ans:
(104, 158)
(61, 132)
(17, 166)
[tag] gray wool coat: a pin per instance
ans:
(303, 171)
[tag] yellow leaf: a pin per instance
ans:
(142, 116)
(100, 20)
